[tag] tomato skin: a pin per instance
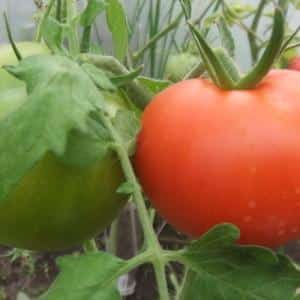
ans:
(207, 156)
(57, 205)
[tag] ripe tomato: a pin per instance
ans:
(294, 64)
(57, 205)
(207, 156)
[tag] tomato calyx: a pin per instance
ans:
(223, 70)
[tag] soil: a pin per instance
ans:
(32, 273)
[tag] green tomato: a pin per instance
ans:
(179, 65)
(58, 204)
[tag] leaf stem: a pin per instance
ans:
(151, 240)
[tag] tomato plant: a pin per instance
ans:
(216, 155)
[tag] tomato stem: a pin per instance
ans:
(158, 258)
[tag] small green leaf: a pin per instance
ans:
(92, 10)
(61, 99)
(154, 85)
(122, 80)
(126, 188)
(86, 277)
(220, 269)
(117, 23)
(53, 33)
(128, 125)
(99, 77)
(226, 36)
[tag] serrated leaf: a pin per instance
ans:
(128, 125)
(61, 97)
(86, 277)
(99, 77)
(126, 188)
(226, 36)
(92, 10)
(118, 25)
(154, 85)
(222, 270)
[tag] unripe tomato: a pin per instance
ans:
(207, 156)
(58, 205)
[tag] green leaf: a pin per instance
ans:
(86, 277)
(53, 33)
(92, 10)
(99, 77)
(226, 36)
(122, 80)
(128, 125)
(117, 23)
(222, 270)
(154, 85)
(126, 188)
(61, 98)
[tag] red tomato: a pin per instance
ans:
(294, 64)
(207, 156)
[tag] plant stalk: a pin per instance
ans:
(151, 240)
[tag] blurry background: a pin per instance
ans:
(21, 12)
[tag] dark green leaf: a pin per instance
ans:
(117, 23)
(86, 277)
(122, 80)
(154, 85)
(61, 98)
(222, 270)
(99, 77)
(93, 9)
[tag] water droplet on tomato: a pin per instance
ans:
(247, 219)
(252, 204)
(295, 230)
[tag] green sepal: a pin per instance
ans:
(272, 51)
(228, 63)
(214, 66)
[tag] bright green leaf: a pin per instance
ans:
(117, 23)
(86, 277)
(222, 270)
(92, 10)
(53, 32)
(61, 98)
(126, 188)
